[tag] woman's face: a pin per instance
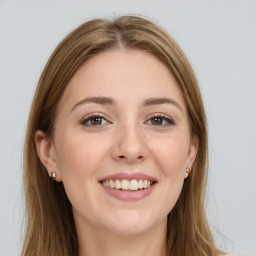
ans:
(122, 142)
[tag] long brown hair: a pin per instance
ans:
(50, 225)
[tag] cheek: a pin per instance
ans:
(171, 155)
(78, 160)
(78, 155)
(73, 159)
(171, 158)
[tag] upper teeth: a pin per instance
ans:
(126, 184)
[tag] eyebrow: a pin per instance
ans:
(112, 102)
(158, 101)
(97, 100)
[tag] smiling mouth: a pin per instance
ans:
(128, 185)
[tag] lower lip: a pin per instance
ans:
(125, 195)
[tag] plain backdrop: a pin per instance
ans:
(219, 38)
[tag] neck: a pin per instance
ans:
(93, 241)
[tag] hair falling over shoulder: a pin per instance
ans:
(50, 227)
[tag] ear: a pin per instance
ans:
(192, 152)
(47, 153)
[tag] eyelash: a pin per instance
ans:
(169, 121)
(89, 118)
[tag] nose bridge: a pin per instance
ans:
(130, 142)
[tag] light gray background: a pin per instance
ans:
(219, 37)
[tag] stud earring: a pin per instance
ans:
(188, 170)
(53, 176)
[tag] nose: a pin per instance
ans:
(130, 145)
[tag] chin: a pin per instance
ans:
(129, 230)
(129, 223)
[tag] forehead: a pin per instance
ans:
(122, 74)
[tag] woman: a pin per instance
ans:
(116, 148)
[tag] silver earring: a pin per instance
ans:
(53, 176)
(188, 170)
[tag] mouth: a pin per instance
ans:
(128, 185)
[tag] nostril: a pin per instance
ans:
(122, 157)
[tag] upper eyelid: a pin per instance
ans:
(158, 114)
(91, 115)
(170, 121)
(88, 118)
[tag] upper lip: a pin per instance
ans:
(128, 176)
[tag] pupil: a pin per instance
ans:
(96, 121)
(157, 120)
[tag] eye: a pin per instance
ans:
(160, 120)
(94, 120)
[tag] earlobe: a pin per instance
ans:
(46, 152)
(192, 153)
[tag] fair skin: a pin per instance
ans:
(121, 117)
